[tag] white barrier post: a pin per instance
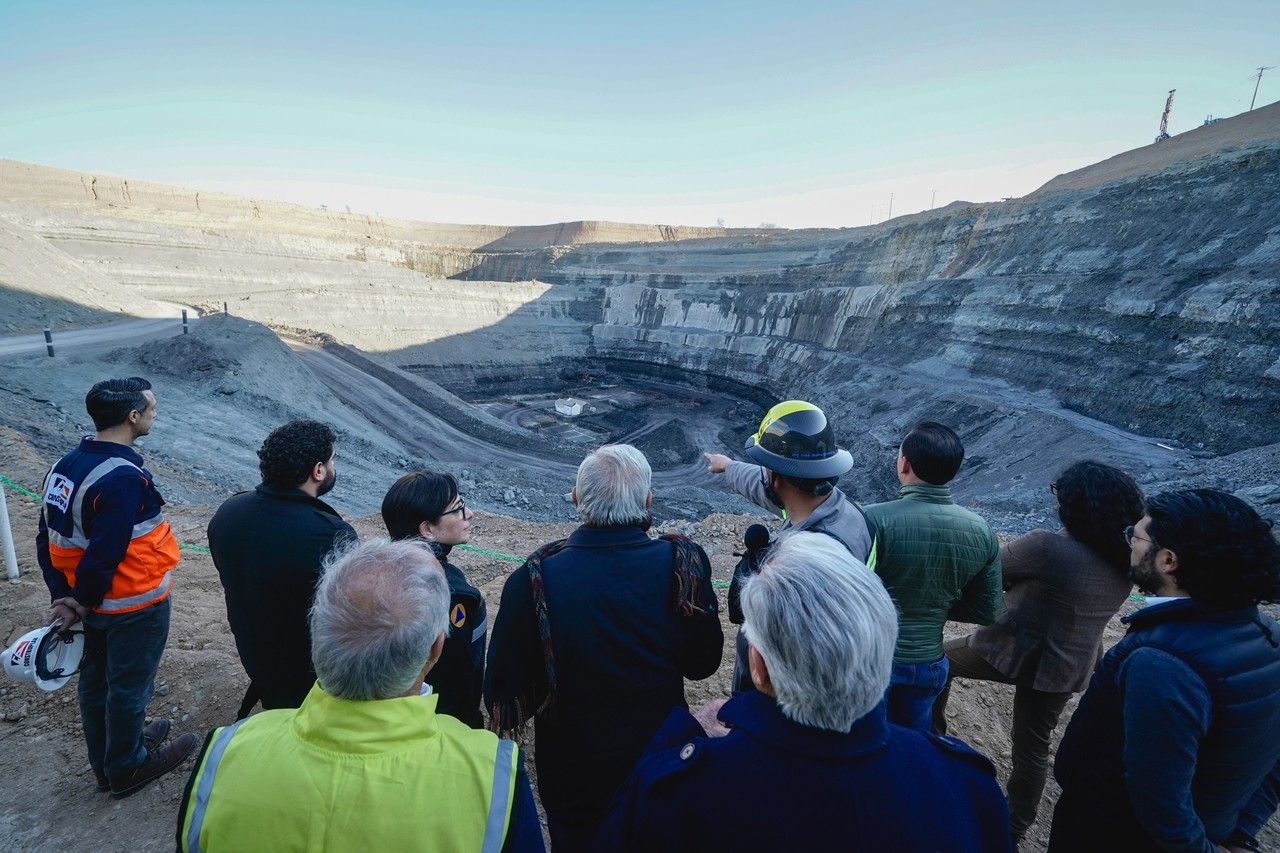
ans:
(48, 341)
(6, 540)
(184, 321)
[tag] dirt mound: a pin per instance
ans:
(232, 357)
(194, 360)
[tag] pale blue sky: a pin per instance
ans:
(800, 113)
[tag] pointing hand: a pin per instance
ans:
(716, 463)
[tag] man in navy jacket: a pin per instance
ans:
(809, 760)
(1175, 744)
(594, 638)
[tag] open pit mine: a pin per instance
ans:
(1127, 311)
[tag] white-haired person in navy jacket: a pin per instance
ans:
(809, 758)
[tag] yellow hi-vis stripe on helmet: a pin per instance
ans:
(781, 410)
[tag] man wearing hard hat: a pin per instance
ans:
(795, 465)
(107, 555)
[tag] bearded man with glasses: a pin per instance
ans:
(1176, 743)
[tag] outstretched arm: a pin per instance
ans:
(743, 478)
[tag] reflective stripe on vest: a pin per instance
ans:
(136, 602)
(496, 822)
(204, 786)
(495, 827)
(78, 541)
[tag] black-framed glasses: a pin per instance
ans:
(1053, 487)
(1129, 537)
(460, 508)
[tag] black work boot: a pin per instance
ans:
(159, 762)
(152, 736)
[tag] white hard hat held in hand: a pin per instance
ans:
(44, 657)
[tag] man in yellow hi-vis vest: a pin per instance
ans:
(366, 763)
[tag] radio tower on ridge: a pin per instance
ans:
(1261, 68)
(1164, 119)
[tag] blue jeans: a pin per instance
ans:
(912, 689)
(117, 677)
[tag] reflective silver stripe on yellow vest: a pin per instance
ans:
(495, 827)
(204, 787)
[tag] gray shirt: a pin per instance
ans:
(837, 516)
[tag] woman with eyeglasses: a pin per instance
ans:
(1061, 590)
(425, 505)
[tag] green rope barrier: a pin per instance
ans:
(17, 488)
(491, 553)
(185, 547)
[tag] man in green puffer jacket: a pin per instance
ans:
(938, 560)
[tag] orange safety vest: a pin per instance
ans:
(142, 578)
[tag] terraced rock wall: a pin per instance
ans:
(1142, 292)
(1150, 303)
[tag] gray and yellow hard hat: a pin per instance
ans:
(795, 440)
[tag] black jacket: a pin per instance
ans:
(267, 545)
(458, 677)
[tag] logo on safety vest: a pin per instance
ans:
(458, 616)
(59, 492)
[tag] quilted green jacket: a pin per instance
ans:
(939, 561)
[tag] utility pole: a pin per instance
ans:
(933, 199)
(1261, 68)
(891, 205)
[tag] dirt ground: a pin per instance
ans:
(50, 802)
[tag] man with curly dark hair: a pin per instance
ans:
(1061, 589)
(268, 545)
(1174, 746)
